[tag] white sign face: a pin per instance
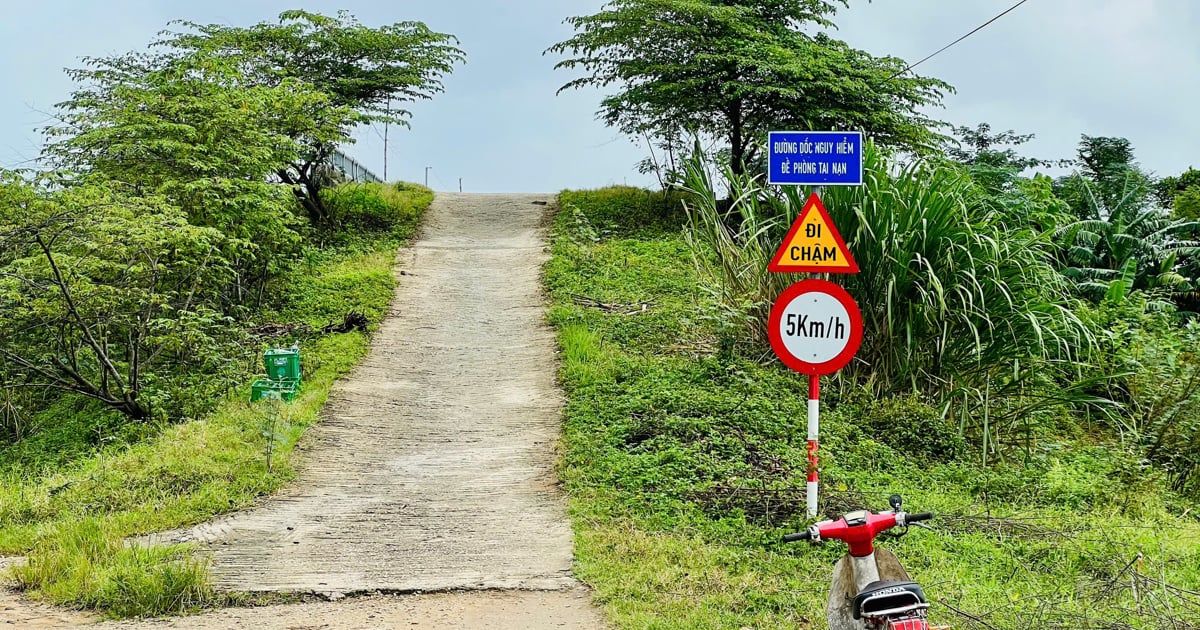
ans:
(815, 327)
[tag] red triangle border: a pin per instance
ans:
(814, 202)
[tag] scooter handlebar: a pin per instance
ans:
(919, 516)
(858, 529)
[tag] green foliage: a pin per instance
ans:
(374, 71)
(209, 112)
(192, 135)
(375, 207)
(685, 467)
(1127, 245)
(913, 428)
(1186, 204)
(103, 292)
(1180, 194)
(17, 418)
(733, 70)
(331, 288)
(979, 147)
(1159, 383)
(950, 292)
(1108, 177)
(623, 211)
(83, 565)
(585, 360)
(367, 74)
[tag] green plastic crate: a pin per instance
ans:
(265, 389)
(283, 364)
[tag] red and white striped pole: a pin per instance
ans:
(814, 425)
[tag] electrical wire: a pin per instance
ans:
(951, 44)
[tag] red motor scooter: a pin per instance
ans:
(870, 589)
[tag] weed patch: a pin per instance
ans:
(685, 463)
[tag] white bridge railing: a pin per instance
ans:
(352, 169)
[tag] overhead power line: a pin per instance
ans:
(951, 44)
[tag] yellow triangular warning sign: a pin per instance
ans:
(813, 245)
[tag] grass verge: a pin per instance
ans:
(685, 463)
(70, 496)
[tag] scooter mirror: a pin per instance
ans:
(896, 501)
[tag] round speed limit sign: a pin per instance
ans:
(815, 327)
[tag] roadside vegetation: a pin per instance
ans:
(187, 218)
(1028, 368)
(685, 452)
(85, 479)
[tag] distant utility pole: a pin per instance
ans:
(386, 125)
(427, 176)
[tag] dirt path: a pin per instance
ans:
(432, 467)
(18, 612)
(509, 610)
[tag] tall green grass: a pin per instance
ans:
(685, 463)
(947, 292)
(957, 305)
(84, 563)
(373, 206)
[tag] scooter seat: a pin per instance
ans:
(889, 595)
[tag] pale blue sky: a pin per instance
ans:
(1057, 68)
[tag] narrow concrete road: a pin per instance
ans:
(432, 467)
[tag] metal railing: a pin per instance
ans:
(352, 169)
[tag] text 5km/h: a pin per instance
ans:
(800, 325)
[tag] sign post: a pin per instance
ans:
(815, 326)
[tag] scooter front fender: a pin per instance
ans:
(842, 590)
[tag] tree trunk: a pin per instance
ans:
(133, 409)
(737, 141)
(315, 206)
(307, 191)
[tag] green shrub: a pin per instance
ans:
(84, 564)
(912, 428)
(625, 211)
(1156, 363)
(375, 207)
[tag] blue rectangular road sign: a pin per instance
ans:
(815, 158)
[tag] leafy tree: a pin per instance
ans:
(103, 291)
(1186, 204)
(1122, 240)
(205, 143)
(372, 72)
(995, 165)
(1181, 194)
(734, 69)
(1107, 177)
(979, 145)
(1126, 246)
(331, 74)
